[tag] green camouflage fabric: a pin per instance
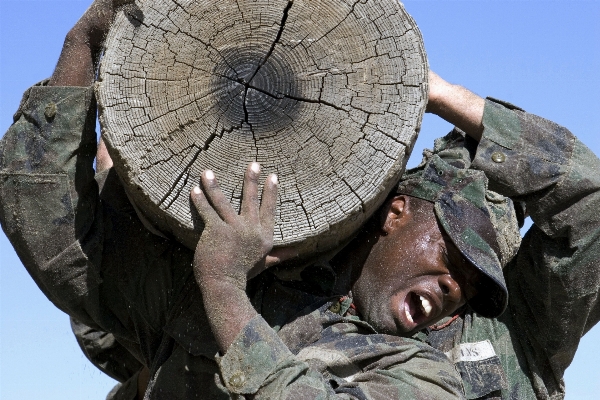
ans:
(82, 242)
(84, 245)
(553, 280)
(326, 353)
(103, 350)
(110, 357)
(461, 206)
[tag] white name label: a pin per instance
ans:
(472, 352)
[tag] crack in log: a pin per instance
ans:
(185, 181)
(185, 150)
(277, 38)
(325, 103)
(298, 98)
(209, 46)
(185, 171)
(303, 99)
(362, 203)
(306, 213)
(338, 24)
(245, 107)
(246, 84)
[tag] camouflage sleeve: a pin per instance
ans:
(105, 352)
(127, 390)
(258, 363)
(553, 282)
(48, 194)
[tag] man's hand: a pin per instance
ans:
(233, 247)
(457, 105)
(79, 57)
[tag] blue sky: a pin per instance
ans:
(541, 55)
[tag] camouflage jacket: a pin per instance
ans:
(82, 242)
(87, 250)
(553, 280)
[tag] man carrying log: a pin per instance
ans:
(426, 266)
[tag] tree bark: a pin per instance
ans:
(329, 95)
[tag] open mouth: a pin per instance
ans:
(417, 308)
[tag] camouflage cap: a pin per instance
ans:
(474, 218)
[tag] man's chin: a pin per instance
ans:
(391, 328)
(405, 332)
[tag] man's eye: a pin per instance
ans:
(445, 257)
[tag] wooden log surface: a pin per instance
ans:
(328, 94)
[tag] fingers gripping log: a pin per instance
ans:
(327, 94)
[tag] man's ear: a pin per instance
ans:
(395, 213)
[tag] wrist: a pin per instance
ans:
(440, 95)
(209, 282)
(457, 105)
(228, 310)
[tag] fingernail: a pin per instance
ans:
(255, 167)
(274, 179)
(197, 190)
(209, 174)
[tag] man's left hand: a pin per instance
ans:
(233, 247)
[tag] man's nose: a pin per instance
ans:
(450, 288)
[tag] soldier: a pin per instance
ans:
(83, 243)
(428, 265)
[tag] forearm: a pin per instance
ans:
(76, 64)
(228, 310)
(457, 105)
(81, 51)
(53, 130)
(556, 273)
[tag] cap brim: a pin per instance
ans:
(472, 232)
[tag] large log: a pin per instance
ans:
(328, 94)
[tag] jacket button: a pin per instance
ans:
(498, 157)
(50, 111)
(335, 308)
(237, 380)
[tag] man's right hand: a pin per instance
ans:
(77, 63)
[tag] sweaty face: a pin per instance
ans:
(413, 276)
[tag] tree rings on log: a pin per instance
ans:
(327, 94)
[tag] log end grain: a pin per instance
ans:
(328, 95)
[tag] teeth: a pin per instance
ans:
(425, 306)
(407, 312)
